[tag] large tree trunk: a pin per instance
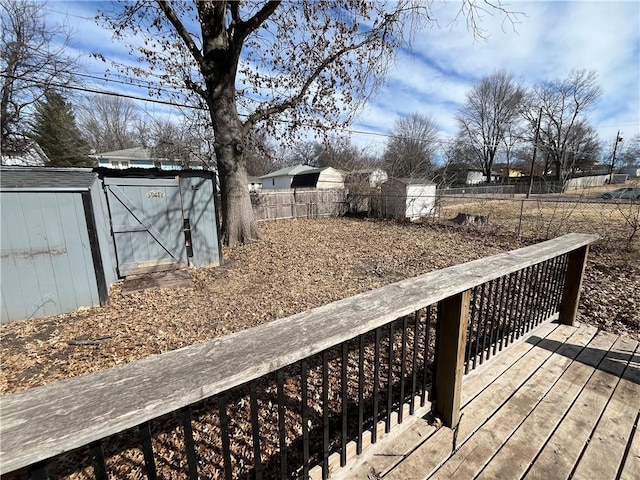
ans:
(238, 222)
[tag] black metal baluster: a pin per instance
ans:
(360, 395)
(97, 459)
(190, 446)
(255, 428)
(304, 372)
(500, 320)
(522, 288)
(345, 399)
(387, 423)
(559, 283)
(531, 298)
(414, 364)
(544, 291)
(506, 319)
(522, 302)
(542, 306)
(224, 432)
(494, 286)
(376, 387)
(38, 471)
(513, 306)
(147, 451)
(471, 334)
(485, 356)
(561, 280)
(403, 367)
(483, 319)
(325, 415)
(282, 422)
(425, 371)
(551, 266)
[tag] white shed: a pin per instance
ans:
(406, 198)
(321, 178)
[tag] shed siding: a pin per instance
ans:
(330, 178)
(47, 267)
(105, 239)
(198, 206)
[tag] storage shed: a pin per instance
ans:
(56, 252)
(69, 234)
(405, 198)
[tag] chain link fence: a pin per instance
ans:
(546, 216)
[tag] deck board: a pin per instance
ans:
(605, 452)
(563, 404)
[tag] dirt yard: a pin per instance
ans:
(300, 265)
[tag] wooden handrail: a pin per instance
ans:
(45, 421)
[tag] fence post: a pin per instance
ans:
(452, 339)
(572, 285)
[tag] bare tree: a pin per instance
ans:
(491, 109)
(33, 61)
(107, 123)
(410, 151)
(273, 60)
(564, 104)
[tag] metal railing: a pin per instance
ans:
(300, 396)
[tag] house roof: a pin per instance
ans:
(22, 151)
(291, 171)
(135, 153)
(252, 179)
(46, 179)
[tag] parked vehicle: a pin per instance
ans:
(628, 193)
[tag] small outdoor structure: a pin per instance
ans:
(405, 198)
(56, 254)
(320, 178)
(282, 178)
(69, 234)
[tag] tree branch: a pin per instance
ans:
(244, 29)
(292, 101)
(181, 30)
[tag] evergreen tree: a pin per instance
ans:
(56, 132)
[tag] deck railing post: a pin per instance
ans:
(577, 260)
(452, 338)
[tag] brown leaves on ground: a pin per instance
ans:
(299, 265)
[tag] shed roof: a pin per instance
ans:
(46, 179)
(290, 171)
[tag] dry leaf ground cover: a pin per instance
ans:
(299, 265)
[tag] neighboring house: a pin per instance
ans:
(23, 152)
(633, 171)
(369, 177)
(405, 198)
(282, 178)
(321, 178)
(138, 157)
(255, 184)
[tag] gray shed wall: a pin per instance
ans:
(198, 204)
(103, 227)
(47, 265)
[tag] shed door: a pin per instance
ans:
(147, 224)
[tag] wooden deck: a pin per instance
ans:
(565, 403)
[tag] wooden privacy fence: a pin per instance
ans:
(300, 396)
(298, 203)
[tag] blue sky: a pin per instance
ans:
(549, 40)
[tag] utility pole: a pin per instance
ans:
(613, 157)
(535, 149)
